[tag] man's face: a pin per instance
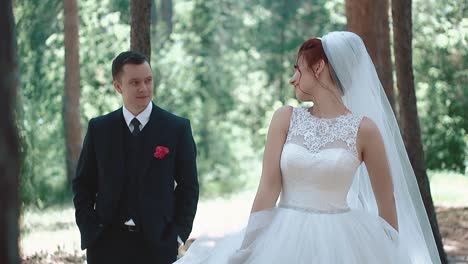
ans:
(135, 84)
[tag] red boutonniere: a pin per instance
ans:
(160, 152)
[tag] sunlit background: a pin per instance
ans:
(224, 65)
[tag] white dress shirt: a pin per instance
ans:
(143, 117)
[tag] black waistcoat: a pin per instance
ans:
(133, 149)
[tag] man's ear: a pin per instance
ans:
(117, 86)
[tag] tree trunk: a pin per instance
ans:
(71, 100)
(140, 25)
(166, 9)
(369, 19)
(402, 38)
(9, 146)
(154, 14)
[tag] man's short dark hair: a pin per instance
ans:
(126, 57)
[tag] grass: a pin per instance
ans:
(49, 230)
(449, 188)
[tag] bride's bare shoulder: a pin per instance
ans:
(282, 117)
(368, 133)
(368, 127)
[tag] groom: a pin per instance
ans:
(136, 187)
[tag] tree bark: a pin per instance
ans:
(9, 146)
(71, 100)
(154, 14)
(402, 38)
(140, 25)
(167, 12)
(369, 19)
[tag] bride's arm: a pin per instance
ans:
(370, 145)
(270, 181)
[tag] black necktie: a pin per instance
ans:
(136, 126)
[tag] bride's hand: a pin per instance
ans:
(391, 232)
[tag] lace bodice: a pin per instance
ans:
(318, 133)
(319, 160)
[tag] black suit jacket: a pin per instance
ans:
(165, 212)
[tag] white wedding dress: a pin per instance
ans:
(312, 222)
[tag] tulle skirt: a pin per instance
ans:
(292, 235)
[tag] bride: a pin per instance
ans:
(347, 191)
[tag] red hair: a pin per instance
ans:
(312, 52)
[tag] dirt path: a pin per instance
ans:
(453, 224)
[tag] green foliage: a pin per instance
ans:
(441, 75)
(41, 49)
(42, 148)
(226, 67)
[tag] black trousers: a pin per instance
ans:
(117, 246)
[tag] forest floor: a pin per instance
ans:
(453, 225)
(51, 236)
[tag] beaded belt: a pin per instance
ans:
(316, 211)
